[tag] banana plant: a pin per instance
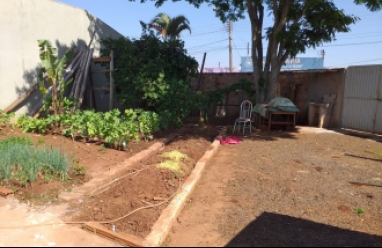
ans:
(52, 71)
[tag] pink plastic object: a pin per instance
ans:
(230, 140)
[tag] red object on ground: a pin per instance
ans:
(230, 140)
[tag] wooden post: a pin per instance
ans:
(111, 80)
(92, 95)
(86, 73)
(201, 72)
(77, 89)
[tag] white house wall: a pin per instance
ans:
(22, 23)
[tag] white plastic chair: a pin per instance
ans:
(245, 116)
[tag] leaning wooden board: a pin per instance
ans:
(123, 238)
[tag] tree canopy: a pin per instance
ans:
(169, 28)
(297, 25)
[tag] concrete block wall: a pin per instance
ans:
(301, 87)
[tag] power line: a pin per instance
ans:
(197, 34)
(354, 44)
(207, 44)
(210, 50)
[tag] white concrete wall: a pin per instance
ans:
(22, 23)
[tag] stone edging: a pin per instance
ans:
(163, 225)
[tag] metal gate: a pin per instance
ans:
(362, 106)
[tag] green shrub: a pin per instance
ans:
(153, 75)
(5, 118)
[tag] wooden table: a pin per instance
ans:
(288, 122)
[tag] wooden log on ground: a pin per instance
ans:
(21, 98)
(123, 238)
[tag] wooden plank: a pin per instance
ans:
(124, 238)
(111, 80)
(76, 91)
(86, 73)
(21, 98)
(5, 191)
(93, 98)
(102, 59)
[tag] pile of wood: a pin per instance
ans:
(77, 69)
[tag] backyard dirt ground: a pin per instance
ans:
(276, 188)
(287, 189)
(147, 185)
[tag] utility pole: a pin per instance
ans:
(230, 45)
(248, 48)
(323, 53)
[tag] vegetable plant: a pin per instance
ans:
(5, 118)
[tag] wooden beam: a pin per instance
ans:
(111, 80)
(92, 97)
(21, 98)
(124, 238)
(101, 59)
(86, 73)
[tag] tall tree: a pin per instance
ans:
(297, 25)
(169, 28)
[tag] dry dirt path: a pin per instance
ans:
(13, 213)
(287, 189)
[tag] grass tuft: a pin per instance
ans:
(23, 161)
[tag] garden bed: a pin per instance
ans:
(89, 159)
(147, 185)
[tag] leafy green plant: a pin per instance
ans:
(359, 211)
(79, 170)
(153, 75)
(33, 125)
(102, 147)
(40, 141)
(5, 118)
(52, 72)
(148, 123)
(65, 103)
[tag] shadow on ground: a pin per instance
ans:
(361, 157)
(272, 229)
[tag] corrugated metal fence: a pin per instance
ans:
(362, 106)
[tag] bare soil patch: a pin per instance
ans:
(147, 185)
(287, 189)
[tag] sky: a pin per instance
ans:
(361, 46)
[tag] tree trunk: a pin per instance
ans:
(272, 81)
(54, 96)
